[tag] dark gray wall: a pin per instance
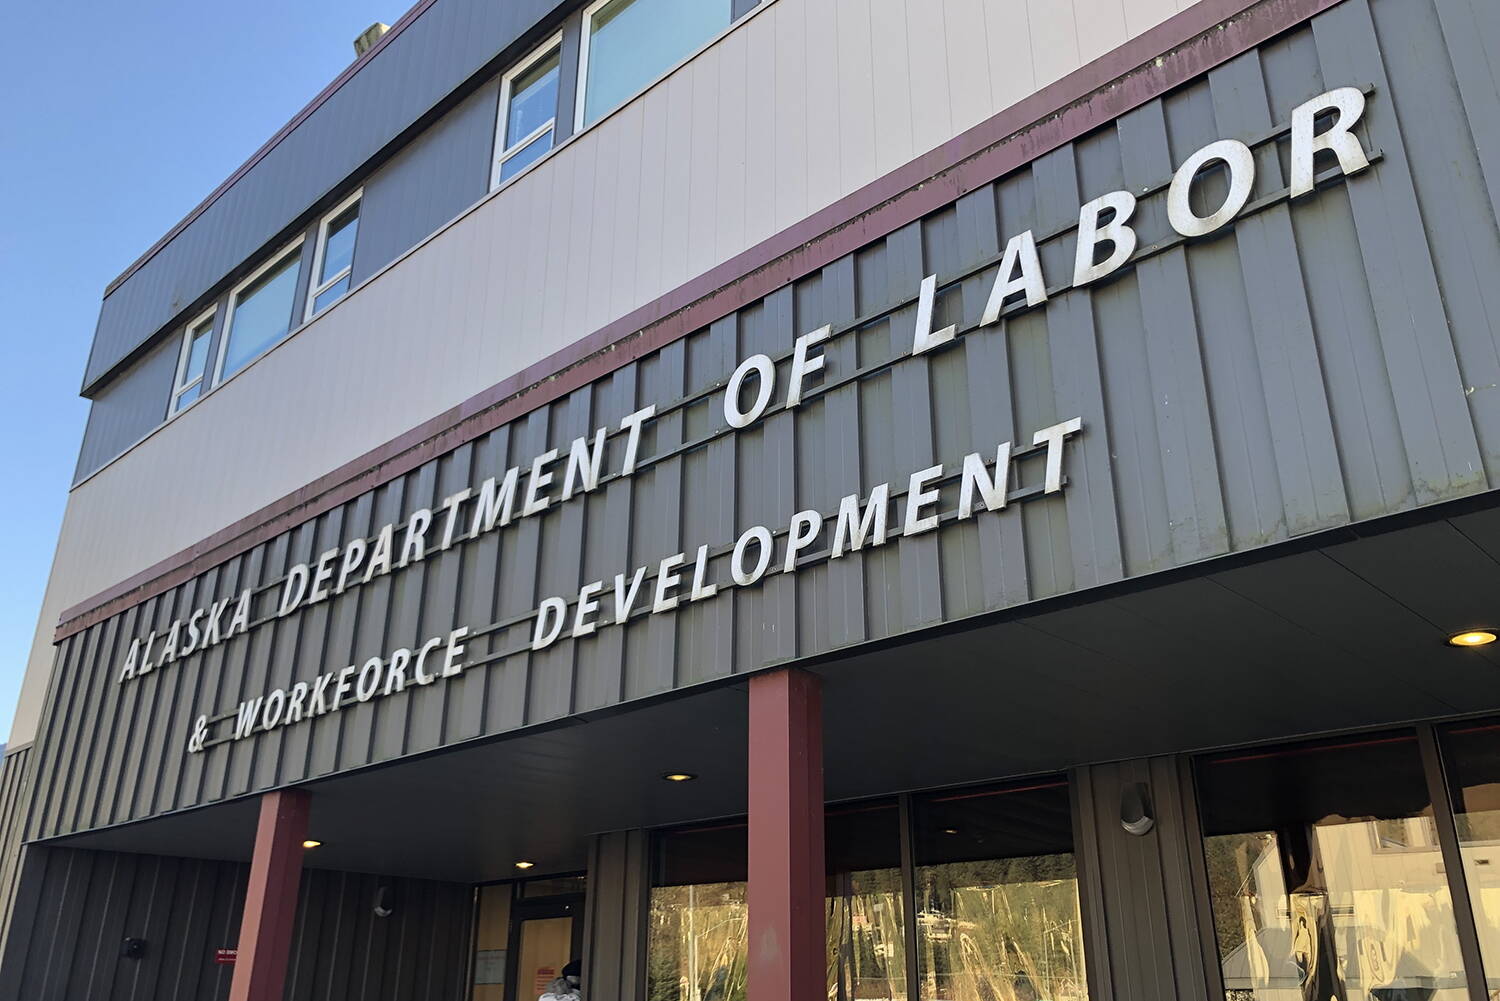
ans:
(1149, 933)
(615, 920)
(1321, 364)
(75, 909)
(434, 178)
(132, 404)
(15, 790)
(433, 56)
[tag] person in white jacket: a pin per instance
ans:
(566, 987)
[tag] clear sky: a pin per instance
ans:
(116, 119)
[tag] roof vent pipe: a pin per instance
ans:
(369, 37)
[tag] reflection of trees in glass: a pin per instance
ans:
(1000, 930)
(1231, 862)
(866, 943)
(696, 943)
(696, 949)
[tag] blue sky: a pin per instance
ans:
(116, 120)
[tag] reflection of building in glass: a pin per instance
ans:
(1384, 911)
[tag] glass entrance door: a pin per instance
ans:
(545, 936)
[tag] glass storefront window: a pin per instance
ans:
(1471, 753)
(698, 927)
(866, 924)
(1325, 873)
(699, 923)
(997, 896)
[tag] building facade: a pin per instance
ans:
(979, 500)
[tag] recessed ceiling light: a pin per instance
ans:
(679, 776)
(309, 843)
(1472, 637)
(950, 830)
(524, 865)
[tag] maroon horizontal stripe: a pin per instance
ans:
(1189, 43)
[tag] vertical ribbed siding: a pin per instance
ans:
(1320, 363)
(1143, 894)
(615, 920)
(15, 791)
(75, 909)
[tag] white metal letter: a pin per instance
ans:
(1240, 163)
(977, 477)
(925, 339)
(1349, 102)
(802, 365)
(766, 369)
(918, 497)
(1091, 234)
(762, 537)
(1021, 250)
(1053, 437)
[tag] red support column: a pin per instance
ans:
(787, 873)
(271, 899)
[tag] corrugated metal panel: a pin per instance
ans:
(77, 907)
(433, 55)
(1143, 894)
(615, 921)
(1233, 392)
(15, 790)
(693, 172)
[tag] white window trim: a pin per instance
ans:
(583, 59)
(503, 153)
(313, 291)
(178, 386)
(281, 255)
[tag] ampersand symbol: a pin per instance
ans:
(200, 735)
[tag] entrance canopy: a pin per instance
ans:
(1340, 632)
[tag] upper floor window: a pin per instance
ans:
(629, 43)
(333, 260)
(528, 111)
(260, 311)
(192, 363)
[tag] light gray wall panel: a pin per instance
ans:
(1235, 391)
(431, 57)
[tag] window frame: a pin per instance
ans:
(583, 61)
(183, 352)
(271, 261)
(309, 309)
(502, 114)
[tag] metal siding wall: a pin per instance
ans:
(696, 170)
(615, 923)
(436, 176)
(1228, 403)
(77, 907)
(15, 792)
(132, 404)
(433, 56)
(1142, 894)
